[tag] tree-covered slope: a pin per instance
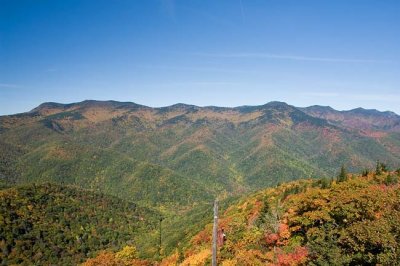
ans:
(349, 221)
(49, 224)
(182, 155)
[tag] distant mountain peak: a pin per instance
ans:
(363, 110)
(269, 105)
(48, 105)
(321, 108)
(271, 112)
(86, 104)
(182, 105)
(372, 112)
(276, 103)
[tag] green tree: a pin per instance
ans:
(264, 212)
(324, 183)
(342, 175)
(365, 172)
(380, 167)
(391, 180)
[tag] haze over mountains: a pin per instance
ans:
(180, 155)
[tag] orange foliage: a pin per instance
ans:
(138, 263)
(271, 239)
(224, 222)
(279, 238)
(105, 258)
(198, 259)
(250, 257)
(284, 231)
(171, 260)
(298, 257)
(202, 237)
(255, 212)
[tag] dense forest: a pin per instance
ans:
(352, 220)
(348, 220)
(179, 156)
(50, 224)
(111, 181)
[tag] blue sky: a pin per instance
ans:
(342, 53)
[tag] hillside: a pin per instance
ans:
(57, 225)
(308, 222)
(348, 220)
(358, 119)
(179, 156)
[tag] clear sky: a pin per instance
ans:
(342, 53)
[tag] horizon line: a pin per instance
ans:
(202, 106)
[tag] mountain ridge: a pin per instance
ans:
(177, 159)
(57, 104)
(159, 155)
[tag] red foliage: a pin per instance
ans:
(298, 257)
(271, 239)
(279, 238)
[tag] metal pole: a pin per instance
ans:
(159, 247)
(215, 234)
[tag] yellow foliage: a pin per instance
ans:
(250, 257)
(105, 258)
(171, 260)
(125, 257)
(198, 259)
(127, 253)
(231, 262)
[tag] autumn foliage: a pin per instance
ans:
(126, 257)
(306, 222)
(311, 222)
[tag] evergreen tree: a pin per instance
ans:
(325, 183)
(342, 175)
(378, 168)
(391, 180)
(381, 167)
(365, 172)
(384, 167)
(264, 212)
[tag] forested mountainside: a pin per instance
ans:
(178, 156)
(349, 220)
(49, 224)
(359, 118)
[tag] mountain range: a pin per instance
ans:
(105, 175)
(180, 155)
